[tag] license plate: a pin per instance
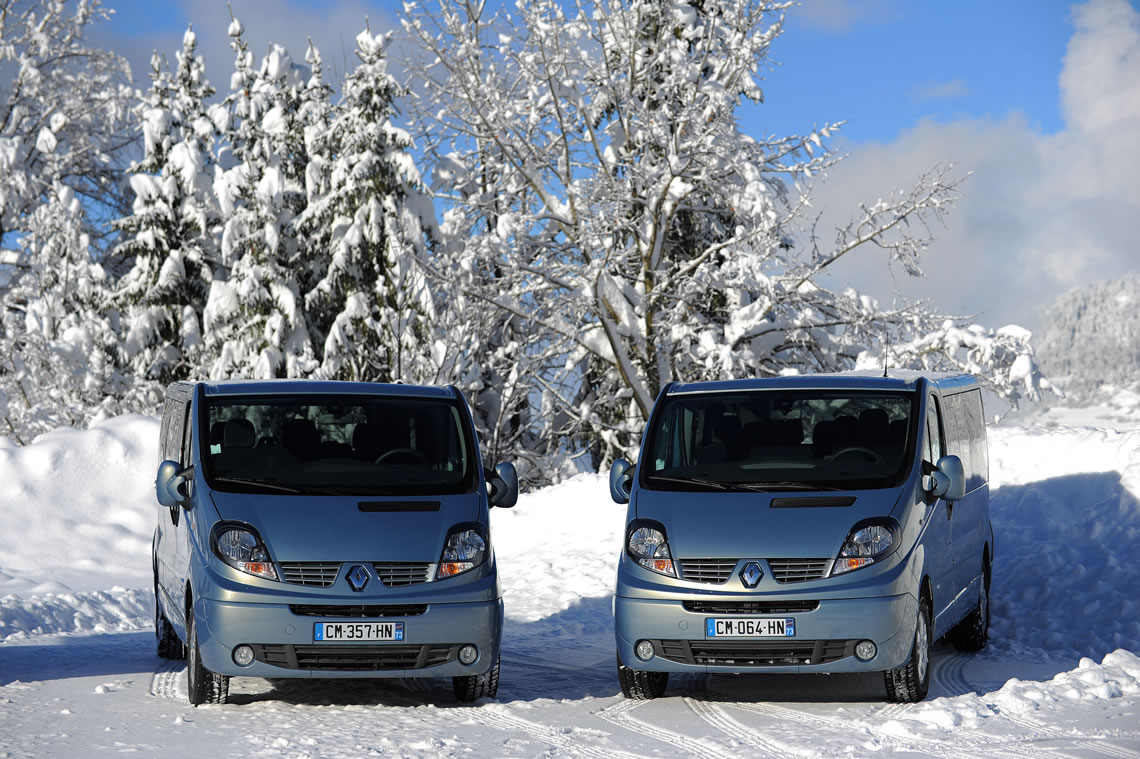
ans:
(719, 627)
(373, 631)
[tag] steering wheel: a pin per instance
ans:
(410, 455)
(870, 453)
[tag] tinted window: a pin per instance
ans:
(338, 445)
(779, 439)
(933, 447)
(976, 427)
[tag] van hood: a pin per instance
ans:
(351, 528)
(779, 525)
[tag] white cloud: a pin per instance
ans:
(1041, 214)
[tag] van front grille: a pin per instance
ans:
(799, 570)
(779, 652)
(396, 573)
(319, 574)
(707, 570)
(356, 658)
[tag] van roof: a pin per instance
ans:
(322, 387)
(896, 379)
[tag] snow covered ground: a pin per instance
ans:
(78, 673)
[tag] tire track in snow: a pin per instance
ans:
(929, 746)
(167, 681)
(716, 716)
(949, 672)
(1041, 732)
(619, 715)
(498, 718)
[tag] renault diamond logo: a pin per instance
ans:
(751, 574)
(357, 578)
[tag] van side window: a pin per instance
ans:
(976, 426)
(957, 432)
(186, 449)
(933, 450)
(173, 416)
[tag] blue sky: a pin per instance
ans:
(1038, 100)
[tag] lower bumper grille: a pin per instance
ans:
(754, 653)
(356, 658)
(750, 607)
(360, 610)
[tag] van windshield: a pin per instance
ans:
(780, 440)
(337, 445)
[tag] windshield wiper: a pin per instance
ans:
(690, 481)
(270, 485)
(782, 485)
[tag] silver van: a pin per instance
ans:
(826, 523)
(325, 529)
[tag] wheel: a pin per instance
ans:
(470, 688)
(639, 684)
(167, 644)
(910, 682)
(973, 632)
(403, 455)
(202, 685)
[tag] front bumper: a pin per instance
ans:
(824, 638)
(284, 646)
(277, 620)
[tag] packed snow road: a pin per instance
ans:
(1061, 676)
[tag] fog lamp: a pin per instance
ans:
(644, 650)
(468, 654)
(865, 650)
(243, 656)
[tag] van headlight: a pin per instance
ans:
(646, 544)
(464, 549)
(240, 547)
(864, 546)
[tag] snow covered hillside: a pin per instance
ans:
(1091, 338)
(78, 673)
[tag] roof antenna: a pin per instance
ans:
(886, 347)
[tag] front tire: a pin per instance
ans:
(470, 688)
(911, 682)
(202, 685)
(639, 684)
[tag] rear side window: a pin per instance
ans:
(966, 433)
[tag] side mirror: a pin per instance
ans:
(621, 481)
(948, 480)
(171, 485)
(504, 482)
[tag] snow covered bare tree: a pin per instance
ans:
(597, 169)
(370, 227)
(65, 112)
